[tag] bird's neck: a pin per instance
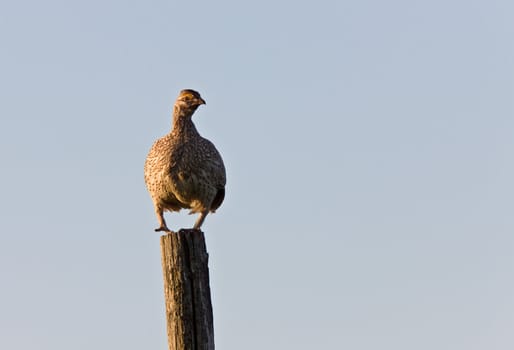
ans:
(183, 126)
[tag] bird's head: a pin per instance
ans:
(188, 100)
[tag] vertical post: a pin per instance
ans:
(186, 291)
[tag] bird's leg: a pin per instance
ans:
(162, 223)
(200, 219)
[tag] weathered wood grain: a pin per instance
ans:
(186, 290)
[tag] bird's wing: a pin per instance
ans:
(211, 162)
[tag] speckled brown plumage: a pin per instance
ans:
(183, 170)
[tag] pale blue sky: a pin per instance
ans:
(369, 152)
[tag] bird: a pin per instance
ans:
(183, 170)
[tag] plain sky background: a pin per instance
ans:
(369, 152)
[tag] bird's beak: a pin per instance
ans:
(201, 101)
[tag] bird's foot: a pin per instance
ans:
(163, 229)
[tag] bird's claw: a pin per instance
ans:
(163, 229)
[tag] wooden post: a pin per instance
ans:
(186, 291)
